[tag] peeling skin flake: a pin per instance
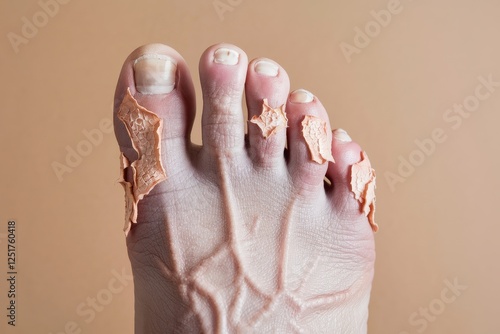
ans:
(271, 119)
(363, 184)
(130, 202)
(318, 139)
(144, 129)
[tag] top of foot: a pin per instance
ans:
(266, 231)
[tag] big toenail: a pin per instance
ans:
(301, 96)
(341, 135)
(226, 56)
(266, 68)
(154, 74)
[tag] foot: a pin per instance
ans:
(249, 233)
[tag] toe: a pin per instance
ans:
(346, 153)
(266, 92)
(157, 77)
(153, 113)
(222, 74)
(309, 139)
(353, 180)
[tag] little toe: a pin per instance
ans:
(309, 139)
(266, 92)
(353, 180)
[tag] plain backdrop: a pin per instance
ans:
(407, 80)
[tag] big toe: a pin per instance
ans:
(156, 78)
(153, 113)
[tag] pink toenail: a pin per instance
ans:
(226, 56)
(267, 68)
(341, 135)
(301, 96)
(154, 74)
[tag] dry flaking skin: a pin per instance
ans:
(318, 139)
(130, 202)
(144, 129)
(363, 186)
(271, 119)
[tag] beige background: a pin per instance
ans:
(440, 224)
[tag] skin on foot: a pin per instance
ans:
(257, 232)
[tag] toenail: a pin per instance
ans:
(341, 135)
(301, 96)
(266, 68)
(154, 74)
(226, 56)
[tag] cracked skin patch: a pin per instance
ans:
(130, 203)
(318, 139)
(271, 119)
(144, 129)
(363, 184)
